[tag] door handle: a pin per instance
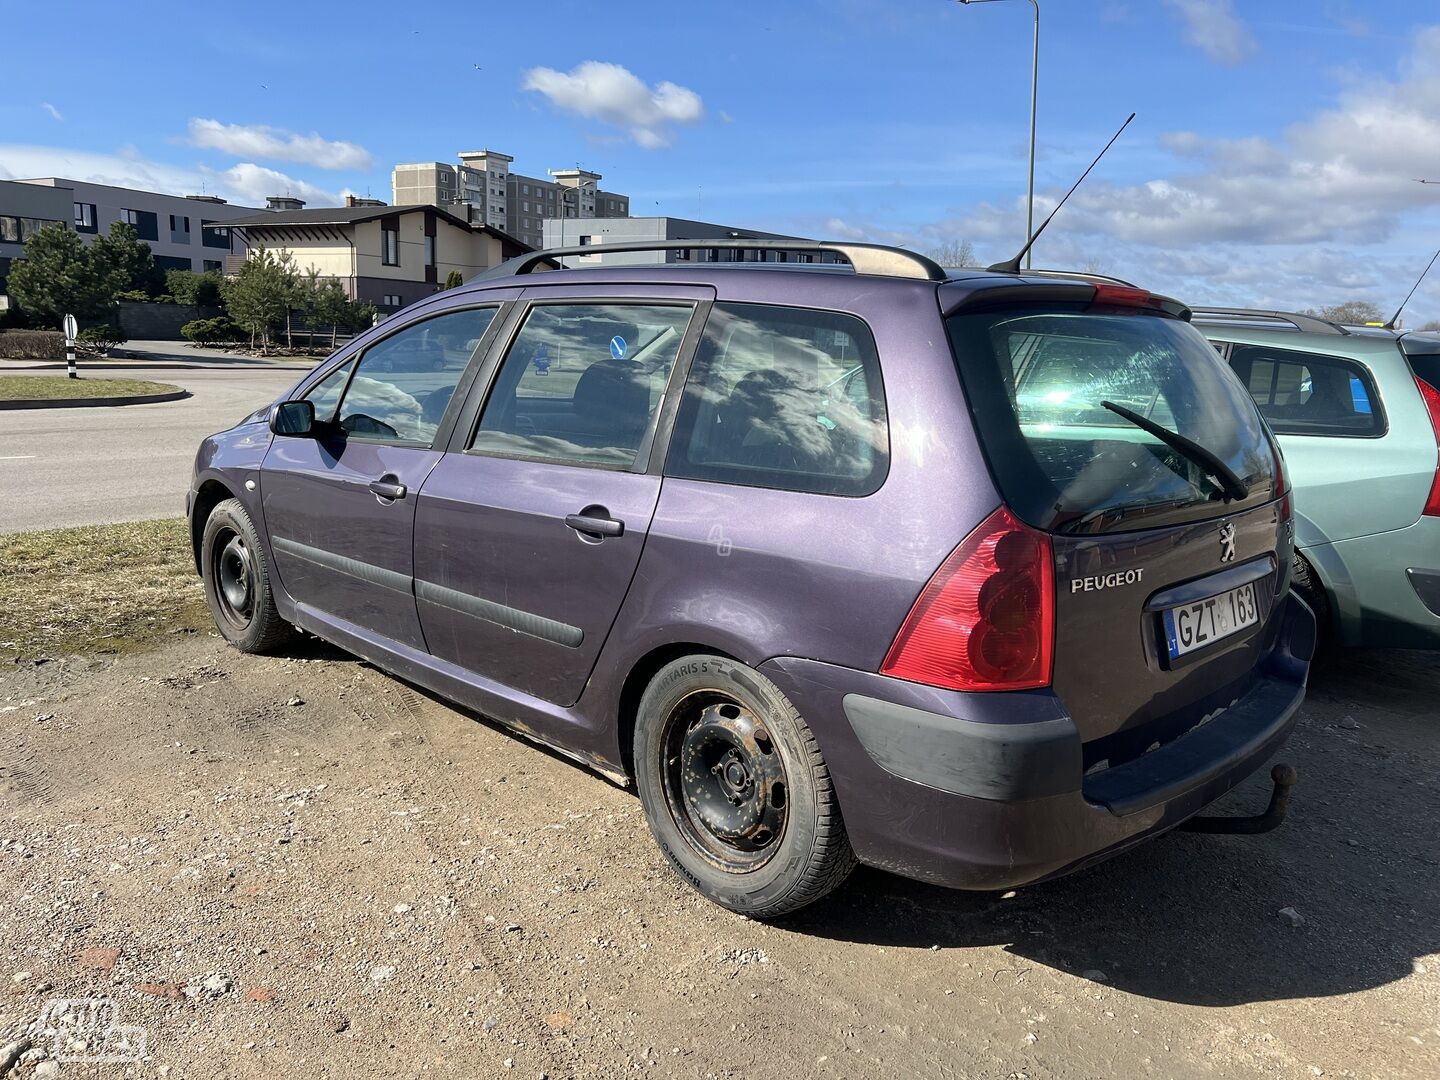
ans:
(388, 487)
(597, 525)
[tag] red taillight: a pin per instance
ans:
(1432, 404)
(1123, 296)
(1281, 484)
(986, 619)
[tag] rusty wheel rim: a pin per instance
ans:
(725, 783)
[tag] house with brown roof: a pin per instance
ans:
(390, 256)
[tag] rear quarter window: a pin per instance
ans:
(786, 398)
(1304, 393)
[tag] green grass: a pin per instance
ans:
(97, 589)
(45, 387)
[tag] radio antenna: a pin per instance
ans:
(1012, 266)
(1396, 317)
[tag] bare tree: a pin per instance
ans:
(1351, 312)
(954, 253)
(1433, 324)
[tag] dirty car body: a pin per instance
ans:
(884, 534)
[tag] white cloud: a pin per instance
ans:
(253, 183)
(259, 140)
(55, 113)
(614, 95)
(245, 183)
(1212, 26)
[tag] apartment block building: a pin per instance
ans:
(496, 196)
(185, 232)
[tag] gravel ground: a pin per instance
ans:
(299, 866)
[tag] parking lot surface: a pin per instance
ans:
(288, 865)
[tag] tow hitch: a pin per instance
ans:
(1284, 777)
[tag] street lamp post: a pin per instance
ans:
(1034, 95)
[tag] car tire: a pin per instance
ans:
(1306, 585)
(735, 789)
(237, 581)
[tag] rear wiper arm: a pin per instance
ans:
(1234, 487)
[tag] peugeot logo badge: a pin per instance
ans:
(1227, 542)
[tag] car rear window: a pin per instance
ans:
(1036, 379)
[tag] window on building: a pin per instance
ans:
(1303, 393)
(146, 223)
(524, 189)
(215, 236)
(429, 251)
(179, 223)
(16, 230)
(85, 217)
(783, 398)
(213, 266)
(390, 247)
(392, 300)
(583, 382)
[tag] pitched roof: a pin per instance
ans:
(355, 215)
(341, 215)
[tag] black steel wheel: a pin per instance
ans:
(725, 783)
(237, 581)
(735, 788)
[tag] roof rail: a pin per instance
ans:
(1310, 323)
(863, 258)
(1080, 275)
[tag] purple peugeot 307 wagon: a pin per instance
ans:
(975, 577)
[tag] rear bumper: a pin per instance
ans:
(1382, 586)
(1001, 801)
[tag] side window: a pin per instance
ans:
(404, 382)
(784, 398)
(326, 393)
(1303, 393)
(583, 382)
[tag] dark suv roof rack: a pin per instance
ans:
(1310, 323)
(863, 258)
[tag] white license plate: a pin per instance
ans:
(1193, 626)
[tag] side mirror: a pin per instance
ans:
(294, 418)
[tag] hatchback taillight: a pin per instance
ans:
(986, 619)
(1432, 404)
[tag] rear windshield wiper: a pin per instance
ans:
(1234, 487)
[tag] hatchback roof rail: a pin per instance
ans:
(1311, 323)
(1082, 275)
(863, 258)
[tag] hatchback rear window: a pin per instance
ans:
(1040, 385)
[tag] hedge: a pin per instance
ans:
(32, 344)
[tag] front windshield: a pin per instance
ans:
(1037, 379)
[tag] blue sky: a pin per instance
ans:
(1272, 161)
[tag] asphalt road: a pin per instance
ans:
(91, 466)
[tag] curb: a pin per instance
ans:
(84, 403)
(155, 365)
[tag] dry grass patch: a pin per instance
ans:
(46, 387)
(98, 588)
